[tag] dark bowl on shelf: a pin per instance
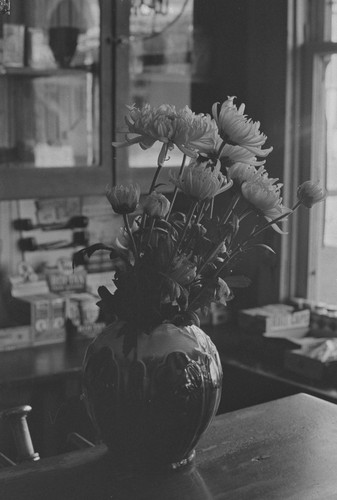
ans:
(63, 43)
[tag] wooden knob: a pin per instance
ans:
(17, 418)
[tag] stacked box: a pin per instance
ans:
(83, 314)
(45, 315)
(15, 337)
(275, 320)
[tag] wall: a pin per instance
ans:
(248, 58)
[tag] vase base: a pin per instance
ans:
(185, 461)
(149, 466)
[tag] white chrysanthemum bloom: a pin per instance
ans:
(123, 199)
(236, 128)
(241, 172)
(265, 195)
(201, 181)
(149, 124)
(195, 132)
(310, 193)
(233, 154)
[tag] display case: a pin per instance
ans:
(56, 114)
(68, 68)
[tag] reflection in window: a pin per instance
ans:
(160, 64)
(49, 86)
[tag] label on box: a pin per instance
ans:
(15, 337)
(83, 312)
(60, 282)
(45, 315)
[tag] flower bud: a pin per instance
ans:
(310, 193)
(156, 205)
(123, 199)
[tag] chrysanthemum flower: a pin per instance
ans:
(123, 199)
(233, 154)
(310, 193)
(235, 128)
(156, 205)
(190, 132)
(241, 172)
(264, 194)
(201, 181)
(195, 132)
(149, 124)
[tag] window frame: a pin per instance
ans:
(306, 142)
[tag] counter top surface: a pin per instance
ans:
(284, 449)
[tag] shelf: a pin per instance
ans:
(27, 72)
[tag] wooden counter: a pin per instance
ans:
(49, 379)
(279, 450)
(41, 363)
(252, 354)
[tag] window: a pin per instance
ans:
(316, 128)
(154, 64)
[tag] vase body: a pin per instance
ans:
(152, 406)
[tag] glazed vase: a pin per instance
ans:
(152, 406)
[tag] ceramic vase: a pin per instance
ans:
(152, 406)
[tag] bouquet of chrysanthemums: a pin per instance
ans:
(170, 265)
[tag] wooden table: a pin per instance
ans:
(285, 449)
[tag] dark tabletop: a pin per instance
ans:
(284, 449)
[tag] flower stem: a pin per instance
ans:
(230, 209)
(175, 192)
(152, 222)
(183, 234)
(160, 164)
(268, 224)
(297, 204)
(128, 230)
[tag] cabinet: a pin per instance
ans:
(56, 101)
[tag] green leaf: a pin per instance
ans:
(80, 256)
(266, 247)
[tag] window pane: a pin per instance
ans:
(330, 223)
(160, 64)
(331, 122)
(333, 4)
(49, 83)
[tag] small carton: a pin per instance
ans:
(275, 320)
(45, 315)
(15, 337)
(82, 314)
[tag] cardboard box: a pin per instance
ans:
(298, 362)
(15, 337)
(275, 320)
(45, 313)
(82, 315)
